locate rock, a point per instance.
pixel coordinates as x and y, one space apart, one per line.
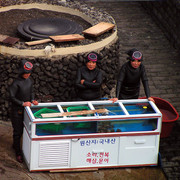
44 90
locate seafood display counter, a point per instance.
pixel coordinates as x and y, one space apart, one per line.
70 136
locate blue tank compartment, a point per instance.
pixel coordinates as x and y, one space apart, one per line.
96 127
135 125
141 108
66 128
113 109
106 126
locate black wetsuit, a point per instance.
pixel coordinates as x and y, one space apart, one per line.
89 90
128 84
20 91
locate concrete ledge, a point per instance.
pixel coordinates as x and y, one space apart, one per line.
61 51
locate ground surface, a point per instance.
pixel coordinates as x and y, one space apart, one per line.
10 169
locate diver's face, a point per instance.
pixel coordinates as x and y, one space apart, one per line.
135 64
91 65
26 75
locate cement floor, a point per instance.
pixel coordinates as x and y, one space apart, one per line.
10 169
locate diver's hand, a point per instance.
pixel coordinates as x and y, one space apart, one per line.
113 100
27 103
35 102
151 99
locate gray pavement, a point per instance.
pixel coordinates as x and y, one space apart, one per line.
135 29
162 61
10 169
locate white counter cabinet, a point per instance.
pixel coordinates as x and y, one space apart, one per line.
126 134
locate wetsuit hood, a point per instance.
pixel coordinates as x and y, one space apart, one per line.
25 67
134 54
93 56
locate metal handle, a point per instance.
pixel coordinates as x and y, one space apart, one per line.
140 141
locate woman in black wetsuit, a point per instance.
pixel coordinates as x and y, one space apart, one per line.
89 79
128 83
21 95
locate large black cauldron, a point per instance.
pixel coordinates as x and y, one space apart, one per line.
42 28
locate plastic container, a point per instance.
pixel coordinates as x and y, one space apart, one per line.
49 127
77 108
80 108
169 115
38 113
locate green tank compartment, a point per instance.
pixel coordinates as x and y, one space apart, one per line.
78 108
38 111
66 128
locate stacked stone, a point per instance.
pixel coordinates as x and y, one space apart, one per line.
54 78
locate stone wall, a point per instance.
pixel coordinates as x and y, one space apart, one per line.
167 15
54 75
54 78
